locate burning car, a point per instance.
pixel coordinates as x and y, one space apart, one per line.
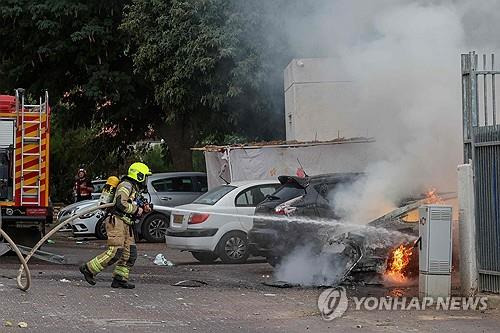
299 215
296 197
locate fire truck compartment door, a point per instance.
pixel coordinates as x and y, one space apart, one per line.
6 133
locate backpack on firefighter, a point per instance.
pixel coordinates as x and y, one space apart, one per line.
109 190
108 195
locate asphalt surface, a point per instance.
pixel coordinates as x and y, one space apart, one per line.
230 298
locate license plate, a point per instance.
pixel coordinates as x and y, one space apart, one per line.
178 218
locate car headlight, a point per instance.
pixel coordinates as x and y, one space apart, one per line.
88 215
64 215
96 213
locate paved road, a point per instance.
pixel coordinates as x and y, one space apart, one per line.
233 299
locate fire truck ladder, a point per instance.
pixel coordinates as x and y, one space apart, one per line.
28 142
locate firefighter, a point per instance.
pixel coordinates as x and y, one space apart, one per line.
83 186
119 227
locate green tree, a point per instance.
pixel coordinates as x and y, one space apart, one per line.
74 49
187 71
206 70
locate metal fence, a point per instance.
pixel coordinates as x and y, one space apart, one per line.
481 137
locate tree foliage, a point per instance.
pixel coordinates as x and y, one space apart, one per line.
74 49
187 71
210 66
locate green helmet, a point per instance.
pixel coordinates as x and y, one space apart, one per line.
138 171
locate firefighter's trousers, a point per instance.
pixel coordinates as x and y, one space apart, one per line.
121 250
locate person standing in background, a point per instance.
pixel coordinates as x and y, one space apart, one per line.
83 186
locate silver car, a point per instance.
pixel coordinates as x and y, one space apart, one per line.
164 189
98 186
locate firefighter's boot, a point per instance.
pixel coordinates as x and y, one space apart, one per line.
117 283
87 274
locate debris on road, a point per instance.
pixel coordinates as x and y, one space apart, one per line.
280 284
64 280
4 248
50 241
22 324
160 260
7 323
270 295
190 283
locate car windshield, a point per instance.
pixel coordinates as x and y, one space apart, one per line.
214 195
98 186
287 191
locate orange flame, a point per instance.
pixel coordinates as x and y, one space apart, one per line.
398 262
431 197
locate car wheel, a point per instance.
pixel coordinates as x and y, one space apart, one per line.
205 257
233 248
154 228
273 260
100 229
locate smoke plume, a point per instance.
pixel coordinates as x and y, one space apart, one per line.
334 250
403 57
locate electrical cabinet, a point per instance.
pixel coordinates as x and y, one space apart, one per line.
435 246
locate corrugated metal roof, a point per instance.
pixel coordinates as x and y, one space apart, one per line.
282 144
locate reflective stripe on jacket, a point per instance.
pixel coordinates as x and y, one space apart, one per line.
125 206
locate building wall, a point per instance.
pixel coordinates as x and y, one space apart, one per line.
318 99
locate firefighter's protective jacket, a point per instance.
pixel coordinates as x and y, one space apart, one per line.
125 206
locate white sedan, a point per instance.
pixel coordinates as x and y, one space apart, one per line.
216 224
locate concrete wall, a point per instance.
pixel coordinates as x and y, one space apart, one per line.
467 233
318 96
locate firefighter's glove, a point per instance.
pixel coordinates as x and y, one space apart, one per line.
139 212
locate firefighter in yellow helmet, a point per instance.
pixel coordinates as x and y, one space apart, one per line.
119 227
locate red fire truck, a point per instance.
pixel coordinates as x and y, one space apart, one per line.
24 166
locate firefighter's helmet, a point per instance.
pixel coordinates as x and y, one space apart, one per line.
138 171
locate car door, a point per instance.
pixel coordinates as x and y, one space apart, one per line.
174 191
200 186
248 199
324 204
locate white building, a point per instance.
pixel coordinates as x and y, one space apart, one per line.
319 134
318 97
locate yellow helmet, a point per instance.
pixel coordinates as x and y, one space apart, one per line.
138 171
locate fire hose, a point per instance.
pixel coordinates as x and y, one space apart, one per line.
24 269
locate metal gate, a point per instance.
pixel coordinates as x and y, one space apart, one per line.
481 137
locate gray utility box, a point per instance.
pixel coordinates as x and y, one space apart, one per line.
435 250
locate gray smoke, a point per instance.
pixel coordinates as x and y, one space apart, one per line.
305 267
403 57
334 251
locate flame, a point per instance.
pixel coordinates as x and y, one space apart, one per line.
398 262
431 197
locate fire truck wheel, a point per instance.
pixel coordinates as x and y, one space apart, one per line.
26 237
